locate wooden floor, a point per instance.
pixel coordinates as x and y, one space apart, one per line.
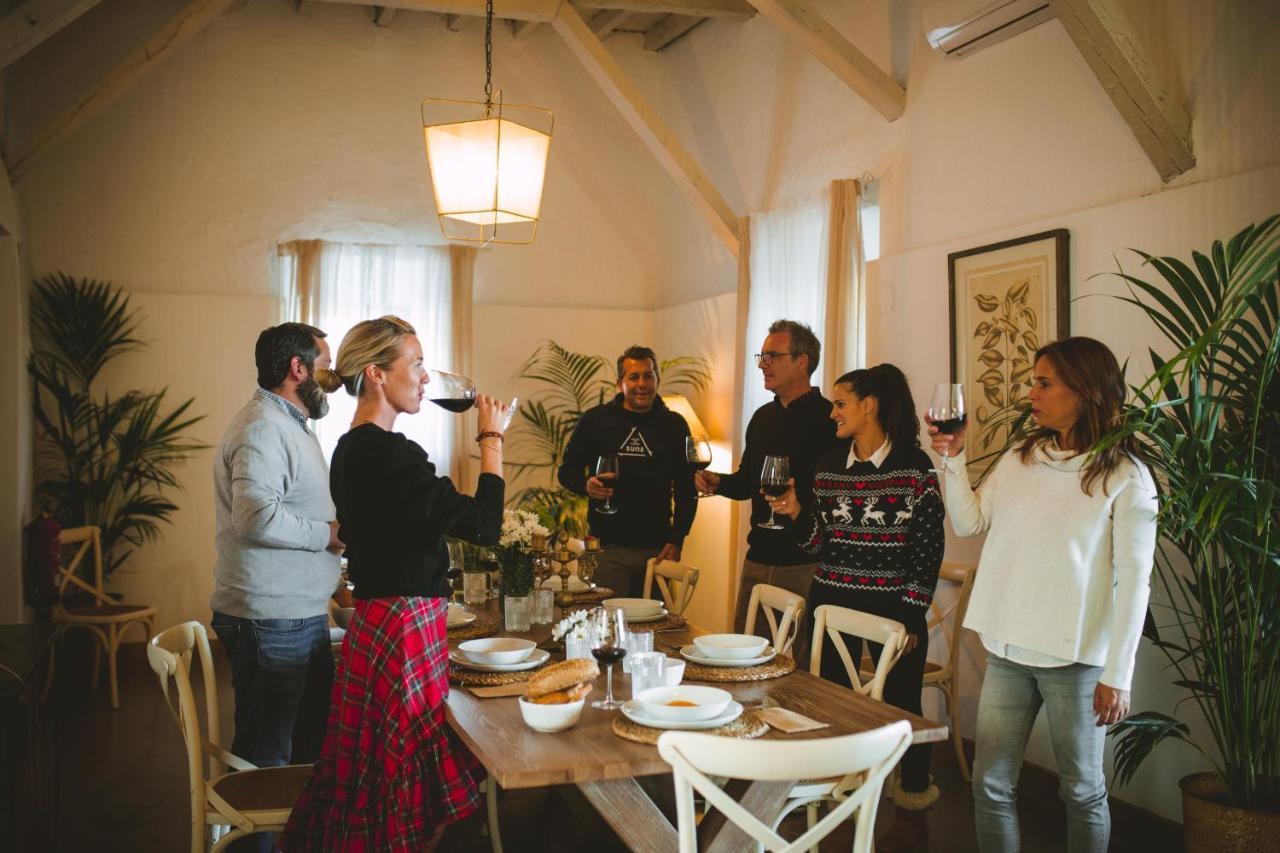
121 786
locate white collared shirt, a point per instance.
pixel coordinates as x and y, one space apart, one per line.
877 458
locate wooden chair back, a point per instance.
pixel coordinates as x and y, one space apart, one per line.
774 600
837 622
89 541
952 616
695 758
676 583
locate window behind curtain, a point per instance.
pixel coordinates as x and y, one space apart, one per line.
789 250
354 282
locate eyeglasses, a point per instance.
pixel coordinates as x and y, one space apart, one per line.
764 359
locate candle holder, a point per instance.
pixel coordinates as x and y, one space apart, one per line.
564 556
588 559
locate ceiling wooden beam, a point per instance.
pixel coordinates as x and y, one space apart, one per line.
520 29
666 31
624 95
453 23
606 20
1104 39
193 18
382 16
799 20
543 11
33 22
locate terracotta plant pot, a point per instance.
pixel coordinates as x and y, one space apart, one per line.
1211 826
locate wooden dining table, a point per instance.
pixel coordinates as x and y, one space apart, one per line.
606 769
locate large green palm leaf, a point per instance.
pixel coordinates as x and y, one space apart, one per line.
1208 422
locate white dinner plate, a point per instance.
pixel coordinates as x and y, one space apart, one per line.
535 659
633 712
693 654
639 620
458 616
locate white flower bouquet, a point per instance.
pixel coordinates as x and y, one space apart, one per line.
518 529
575 626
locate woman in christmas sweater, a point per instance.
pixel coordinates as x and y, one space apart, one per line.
876 527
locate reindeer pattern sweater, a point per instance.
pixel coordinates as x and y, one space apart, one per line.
877 531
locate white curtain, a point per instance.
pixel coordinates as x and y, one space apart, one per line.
788 280
336 285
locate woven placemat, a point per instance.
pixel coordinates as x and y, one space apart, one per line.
593 596
666 623
482 626
776 668
473 678
747 726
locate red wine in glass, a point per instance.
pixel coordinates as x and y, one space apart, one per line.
608 465
457 406
609 655
947 409
773 480
697 452
609 635
951 426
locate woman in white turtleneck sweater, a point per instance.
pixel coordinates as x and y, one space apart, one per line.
1061 590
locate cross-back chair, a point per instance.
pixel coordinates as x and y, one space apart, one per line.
106 618
676 583
783 611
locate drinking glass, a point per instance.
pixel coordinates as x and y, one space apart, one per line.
647 670
608 465
450 391
697 451
637 642
543 611
608 647
946 408
475 586
773 481
454 572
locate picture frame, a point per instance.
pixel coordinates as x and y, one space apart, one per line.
1007 300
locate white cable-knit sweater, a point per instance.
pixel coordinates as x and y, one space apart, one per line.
1062 573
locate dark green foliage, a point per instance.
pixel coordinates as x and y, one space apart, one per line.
100 460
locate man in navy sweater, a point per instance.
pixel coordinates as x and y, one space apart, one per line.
653 491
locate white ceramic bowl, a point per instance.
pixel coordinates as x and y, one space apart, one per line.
673 672
497 650
342 616
550 718
730 646
707 702
635 607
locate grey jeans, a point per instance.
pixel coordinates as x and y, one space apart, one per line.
795 579
1012 695
622 570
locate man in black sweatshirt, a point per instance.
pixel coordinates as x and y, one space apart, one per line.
653 491
797 425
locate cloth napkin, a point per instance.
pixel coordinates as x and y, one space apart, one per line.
516 689
789 721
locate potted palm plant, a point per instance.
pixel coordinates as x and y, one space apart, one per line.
1208 420
100 459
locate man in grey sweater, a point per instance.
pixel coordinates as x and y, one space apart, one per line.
278 547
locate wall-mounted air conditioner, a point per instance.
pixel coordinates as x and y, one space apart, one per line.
960 27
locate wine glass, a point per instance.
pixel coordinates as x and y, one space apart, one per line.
454 572
946 408
697 451
608 465
450 390
489 562
773 480
608 646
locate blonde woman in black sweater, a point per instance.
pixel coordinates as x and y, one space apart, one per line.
875 524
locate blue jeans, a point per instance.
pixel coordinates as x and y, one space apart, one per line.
1012 695
282 674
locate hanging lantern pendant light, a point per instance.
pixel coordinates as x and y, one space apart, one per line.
487 161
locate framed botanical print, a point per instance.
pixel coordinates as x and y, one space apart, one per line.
1007 300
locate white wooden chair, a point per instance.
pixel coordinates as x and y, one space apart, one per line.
837 623
946 676
224 806
868 756
774 600
105 617
676 583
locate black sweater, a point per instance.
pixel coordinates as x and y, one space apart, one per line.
394 513
653 473
801 431
878 533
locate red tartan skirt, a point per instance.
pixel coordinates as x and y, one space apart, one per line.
391 771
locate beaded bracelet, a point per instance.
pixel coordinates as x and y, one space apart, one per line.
488 434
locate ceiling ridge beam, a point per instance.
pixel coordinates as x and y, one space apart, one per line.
31 23
644 120
799 20
668 30
606 21
193 18
1161 126
543 11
